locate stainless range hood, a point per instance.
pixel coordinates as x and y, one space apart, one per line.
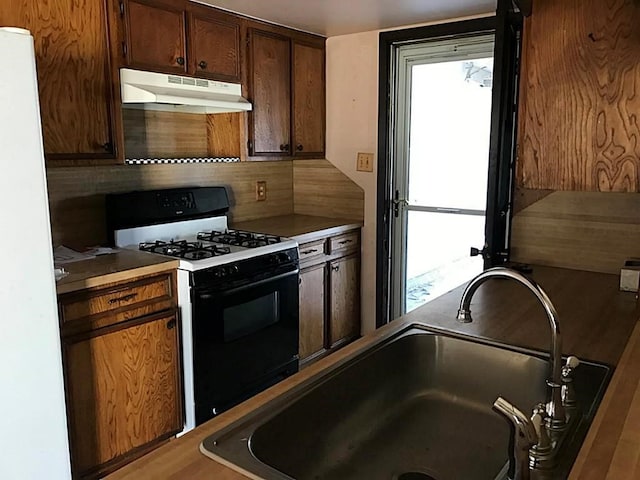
174 93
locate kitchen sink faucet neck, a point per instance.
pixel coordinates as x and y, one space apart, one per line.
556 414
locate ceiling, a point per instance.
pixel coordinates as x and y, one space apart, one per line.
339 17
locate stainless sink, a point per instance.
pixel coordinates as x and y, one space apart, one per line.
417 405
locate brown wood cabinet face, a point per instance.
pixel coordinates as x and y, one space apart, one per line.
123 390
270 91
214 46
308 100
344 284
580 97
312 311
72 57
156 36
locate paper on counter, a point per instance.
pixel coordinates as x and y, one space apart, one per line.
63 255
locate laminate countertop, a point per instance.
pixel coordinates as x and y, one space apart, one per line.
302 228
116 267
597 323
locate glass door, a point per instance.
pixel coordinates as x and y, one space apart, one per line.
441 150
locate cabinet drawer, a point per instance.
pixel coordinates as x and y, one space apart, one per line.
312 251
348 241
130 297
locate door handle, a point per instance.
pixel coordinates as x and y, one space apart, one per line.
397 203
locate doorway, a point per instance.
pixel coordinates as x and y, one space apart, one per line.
440 140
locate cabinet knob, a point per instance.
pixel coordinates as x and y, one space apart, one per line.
335 268
107 146
171 324
284 147
203 65
299 147
180 60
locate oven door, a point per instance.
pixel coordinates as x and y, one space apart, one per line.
245 339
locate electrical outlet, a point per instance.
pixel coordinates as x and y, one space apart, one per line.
261 191
365 162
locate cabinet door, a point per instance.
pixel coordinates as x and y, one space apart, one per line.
312 311
270 91
308 100
344 293
123 392
214 45
156 36
74 74
578 106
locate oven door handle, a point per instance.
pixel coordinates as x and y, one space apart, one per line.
207 294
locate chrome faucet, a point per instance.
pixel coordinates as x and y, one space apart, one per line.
556 417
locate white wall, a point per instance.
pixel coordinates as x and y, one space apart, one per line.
352 127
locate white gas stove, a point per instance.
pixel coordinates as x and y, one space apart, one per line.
237 292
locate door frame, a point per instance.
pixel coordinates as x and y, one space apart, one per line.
502 143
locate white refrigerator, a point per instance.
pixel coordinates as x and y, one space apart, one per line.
33 429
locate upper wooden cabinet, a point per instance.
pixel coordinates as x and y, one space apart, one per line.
287 89
176 37
579 97
308 100
74 75
214 47
155 35
270 86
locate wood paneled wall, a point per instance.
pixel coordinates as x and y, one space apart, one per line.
320 189
580 96
580 230
76 195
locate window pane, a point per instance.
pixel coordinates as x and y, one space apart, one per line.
438 254
449 139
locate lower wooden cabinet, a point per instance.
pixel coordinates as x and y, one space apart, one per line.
312 311
122 380
344 314
329 294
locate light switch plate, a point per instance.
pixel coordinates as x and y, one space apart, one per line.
365 162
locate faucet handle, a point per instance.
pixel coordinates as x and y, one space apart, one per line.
523 436
570 365
543 446
568 390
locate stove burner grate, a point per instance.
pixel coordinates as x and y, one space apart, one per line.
184 249
240 238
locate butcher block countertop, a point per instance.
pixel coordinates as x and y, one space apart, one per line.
302 228
597 322
104 269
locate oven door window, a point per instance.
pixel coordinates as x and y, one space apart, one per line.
251 316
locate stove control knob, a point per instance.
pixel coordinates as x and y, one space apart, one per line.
234 269
283 258
220 272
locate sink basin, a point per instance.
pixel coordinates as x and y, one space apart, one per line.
416 405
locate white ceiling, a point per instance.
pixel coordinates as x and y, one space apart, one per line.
339 17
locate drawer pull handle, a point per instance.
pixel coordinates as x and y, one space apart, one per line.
344 242
171 324
307 252
124 298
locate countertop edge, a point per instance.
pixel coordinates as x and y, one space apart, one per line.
302 228
114 277
326 232
607 449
